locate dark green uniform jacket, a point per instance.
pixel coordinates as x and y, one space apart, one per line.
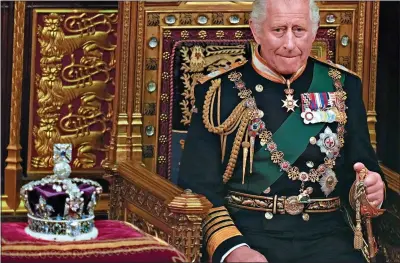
201 167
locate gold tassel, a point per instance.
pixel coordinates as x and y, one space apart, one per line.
358 238
245 146
252 142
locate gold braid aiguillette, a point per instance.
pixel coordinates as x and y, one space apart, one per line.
239 118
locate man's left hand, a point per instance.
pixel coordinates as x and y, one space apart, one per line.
375 187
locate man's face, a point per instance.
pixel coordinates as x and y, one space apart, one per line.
286 35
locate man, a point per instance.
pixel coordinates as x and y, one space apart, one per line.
275 145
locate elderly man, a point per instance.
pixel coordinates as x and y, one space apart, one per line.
275 145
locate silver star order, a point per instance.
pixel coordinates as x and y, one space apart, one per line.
328 182
328 142
289 103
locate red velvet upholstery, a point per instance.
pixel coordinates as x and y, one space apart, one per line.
117 242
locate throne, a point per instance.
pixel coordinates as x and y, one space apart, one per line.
163 49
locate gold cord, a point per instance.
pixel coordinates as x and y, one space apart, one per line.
235 149
239 117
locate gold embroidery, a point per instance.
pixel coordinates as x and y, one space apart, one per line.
222 225
219 208
216 222
58 254
220 236
224 213
82 246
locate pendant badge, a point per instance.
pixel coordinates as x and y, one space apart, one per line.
290 104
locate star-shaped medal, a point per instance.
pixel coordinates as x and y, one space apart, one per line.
289 103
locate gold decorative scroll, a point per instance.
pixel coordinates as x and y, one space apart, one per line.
195 60
72 86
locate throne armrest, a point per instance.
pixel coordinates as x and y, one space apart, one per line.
157 206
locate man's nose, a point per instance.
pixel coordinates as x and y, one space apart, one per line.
289 40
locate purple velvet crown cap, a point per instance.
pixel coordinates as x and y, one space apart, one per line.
61 199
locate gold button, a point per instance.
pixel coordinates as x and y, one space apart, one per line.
313 140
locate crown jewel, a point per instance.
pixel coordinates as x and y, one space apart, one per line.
60 208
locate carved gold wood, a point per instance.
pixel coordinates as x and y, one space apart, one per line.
13 170
72 86
170 213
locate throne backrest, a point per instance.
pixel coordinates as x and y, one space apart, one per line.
191 60
196 39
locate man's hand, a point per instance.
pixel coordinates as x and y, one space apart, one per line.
245 254
374 185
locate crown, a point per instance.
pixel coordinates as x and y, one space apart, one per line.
61 208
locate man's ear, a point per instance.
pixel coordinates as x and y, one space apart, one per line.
254 30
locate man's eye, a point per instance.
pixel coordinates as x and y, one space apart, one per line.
278 30
299 29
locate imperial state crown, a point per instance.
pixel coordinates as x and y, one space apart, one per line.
61 208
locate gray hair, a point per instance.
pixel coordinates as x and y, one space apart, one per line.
259 14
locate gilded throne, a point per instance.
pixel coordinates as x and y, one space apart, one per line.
169 48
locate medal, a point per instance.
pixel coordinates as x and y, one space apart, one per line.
308 116
290 104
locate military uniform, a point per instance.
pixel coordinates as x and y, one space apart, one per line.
230 158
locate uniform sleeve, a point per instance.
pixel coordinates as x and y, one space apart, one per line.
358 146
201 171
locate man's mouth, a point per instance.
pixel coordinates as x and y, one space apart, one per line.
287 56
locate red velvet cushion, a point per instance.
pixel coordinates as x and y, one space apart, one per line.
117 242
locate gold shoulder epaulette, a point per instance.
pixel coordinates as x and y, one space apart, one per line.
338 66
221 71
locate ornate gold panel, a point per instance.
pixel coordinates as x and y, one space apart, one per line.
72 87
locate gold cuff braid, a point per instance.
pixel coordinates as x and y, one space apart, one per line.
218 227
219 237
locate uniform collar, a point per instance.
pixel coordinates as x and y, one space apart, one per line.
260 66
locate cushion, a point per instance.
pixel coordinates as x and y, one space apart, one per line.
117 242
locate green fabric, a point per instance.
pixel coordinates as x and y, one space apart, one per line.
293 136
